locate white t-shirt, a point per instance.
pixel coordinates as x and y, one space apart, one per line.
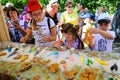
43 30
103 44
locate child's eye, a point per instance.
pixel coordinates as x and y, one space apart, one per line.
67 37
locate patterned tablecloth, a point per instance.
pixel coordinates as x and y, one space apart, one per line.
50 64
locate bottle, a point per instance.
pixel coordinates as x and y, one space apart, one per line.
9 48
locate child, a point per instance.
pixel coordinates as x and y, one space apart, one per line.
17 28
103 38
41 27
86 27
72 39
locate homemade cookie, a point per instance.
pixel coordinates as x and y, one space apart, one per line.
3 53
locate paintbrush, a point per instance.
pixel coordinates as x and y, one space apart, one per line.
37 52
13 52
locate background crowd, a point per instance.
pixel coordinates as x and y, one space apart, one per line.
46 26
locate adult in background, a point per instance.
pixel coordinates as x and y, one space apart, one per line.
69 16
43 33
52 10
5 14
16 26
97 13
9 4
5 11
116 22
87 12
81 11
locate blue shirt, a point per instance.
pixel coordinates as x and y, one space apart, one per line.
15 35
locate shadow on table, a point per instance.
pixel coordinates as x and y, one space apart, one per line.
5 77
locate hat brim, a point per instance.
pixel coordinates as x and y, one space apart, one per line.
34 9
103 21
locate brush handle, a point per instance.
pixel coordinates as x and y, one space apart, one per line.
13 53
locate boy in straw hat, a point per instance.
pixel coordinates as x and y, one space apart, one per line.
43 32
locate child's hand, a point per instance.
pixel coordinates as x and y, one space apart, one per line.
54 44
69 47
23 39
59 24
57 44
16 25
46 39
90 40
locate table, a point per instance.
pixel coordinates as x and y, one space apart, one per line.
50 64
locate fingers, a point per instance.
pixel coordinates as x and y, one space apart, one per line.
90 40
45 38
22 40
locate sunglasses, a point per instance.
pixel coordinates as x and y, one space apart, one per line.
38 14
103 24
70 6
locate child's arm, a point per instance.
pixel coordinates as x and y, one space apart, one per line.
28 36
57 44
52 37
105 34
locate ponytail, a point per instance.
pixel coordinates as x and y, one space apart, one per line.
80 45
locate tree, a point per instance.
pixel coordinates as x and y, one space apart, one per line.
17 3
109 5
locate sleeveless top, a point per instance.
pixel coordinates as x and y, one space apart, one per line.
53 18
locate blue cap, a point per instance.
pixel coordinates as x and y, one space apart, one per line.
87 16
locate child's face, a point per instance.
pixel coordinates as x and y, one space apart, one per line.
69 36
13 15
87 20
104 26
37 15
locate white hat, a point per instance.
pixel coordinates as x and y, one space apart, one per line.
53 1
104 16
9 4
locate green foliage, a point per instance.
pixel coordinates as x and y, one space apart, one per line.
17 3
109 5
44 2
